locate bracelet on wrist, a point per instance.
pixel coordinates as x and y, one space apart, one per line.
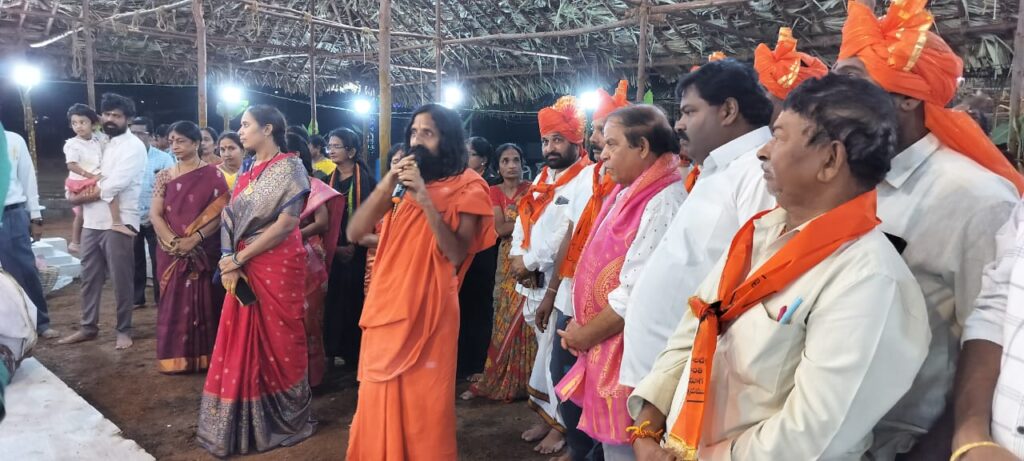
642 432
552 290
234 259
960 452
202 237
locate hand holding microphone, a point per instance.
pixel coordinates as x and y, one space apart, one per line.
408 175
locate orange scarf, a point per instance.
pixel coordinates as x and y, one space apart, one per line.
602 186
691 178
904 57
532 205
817 241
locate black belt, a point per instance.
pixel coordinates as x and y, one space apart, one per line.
14 207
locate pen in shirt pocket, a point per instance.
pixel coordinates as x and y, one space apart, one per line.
786 313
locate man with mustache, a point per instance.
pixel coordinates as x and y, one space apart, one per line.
410 320
105 249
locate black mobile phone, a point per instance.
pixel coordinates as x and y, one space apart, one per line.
539 276
244 293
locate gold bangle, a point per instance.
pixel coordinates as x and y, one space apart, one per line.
552 290
970 446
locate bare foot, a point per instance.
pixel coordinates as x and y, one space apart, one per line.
126 230
468 395
475 377
123 342
49 333
563 457
78 337
553 443
536 432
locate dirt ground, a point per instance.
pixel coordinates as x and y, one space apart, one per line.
160 411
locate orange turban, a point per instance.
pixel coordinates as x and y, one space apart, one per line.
783 69
612 103
904 57
563 118
716 56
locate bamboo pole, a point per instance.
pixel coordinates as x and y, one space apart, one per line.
438 48
90 70
313 125
384 64
641 63
30 124
197 14
1016 80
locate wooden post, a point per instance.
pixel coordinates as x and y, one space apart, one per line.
90 71
641 63
30 124
437 50
314 127
1016 80
197 15
384 63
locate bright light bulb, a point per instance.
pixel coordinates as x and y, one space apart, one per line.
231 94
589 100
26 76
362 106
453 97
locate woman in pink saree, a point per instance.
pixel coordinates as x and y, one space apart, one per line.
187 202
648 187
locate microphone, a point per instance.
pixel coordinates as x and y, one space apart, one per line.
396 196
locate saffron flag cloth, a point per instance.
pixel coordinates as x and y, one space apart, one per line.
738 292
784 68
903 56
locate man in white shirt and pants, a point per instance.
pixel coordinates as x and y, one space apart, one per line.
105 250
724 115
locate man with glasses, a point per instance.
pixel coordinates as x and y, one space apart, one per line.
156 160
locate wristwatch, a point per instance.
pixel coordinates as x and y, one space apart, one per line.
37 221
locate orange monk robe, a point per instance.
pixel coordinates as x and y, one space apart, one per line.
903 56
784 68
406 406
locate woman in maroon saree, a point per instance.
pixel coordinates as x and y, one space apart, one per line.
187 202
257 395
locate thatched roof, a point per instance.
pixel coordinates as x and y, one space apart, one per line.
159 47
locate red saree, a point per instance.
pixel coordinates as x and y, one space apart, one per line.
189 309
257 394
318 259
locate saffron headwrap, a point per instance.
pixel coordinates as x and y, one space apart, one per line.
904 57
610 103
563 118
716 56
784 68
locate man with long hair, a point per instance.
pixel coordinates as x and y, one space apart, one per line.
406 406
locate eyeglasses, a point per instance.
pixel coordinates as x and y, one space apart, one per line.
335 146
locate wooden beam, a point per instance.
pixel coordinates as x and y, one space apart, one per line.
548 34
438 49
644 11
53 11
113 18
677 8
314 129
90 49
197 15
296 15
384 96
1016 80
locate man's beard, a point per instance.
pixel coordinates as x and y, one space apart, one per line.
112 130
430 165
564 160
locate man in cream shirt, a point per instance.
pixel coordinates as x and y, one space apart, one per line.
724 116
823 351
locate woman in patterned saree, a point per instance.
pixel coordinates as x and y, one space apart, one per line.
257 395
513 347
187 202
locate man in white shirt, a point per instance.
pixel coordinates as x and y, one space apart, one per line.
546 216
22 224
104 250
947 193
724 113
811 327
990 375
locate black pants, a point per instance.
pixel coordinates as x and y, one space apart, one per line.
476 312
581 446
343 306
146 239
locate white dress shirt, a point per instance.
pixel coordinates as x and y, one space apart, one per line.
23 188
947 208
124 160
729 191
998 317
812 388
547 235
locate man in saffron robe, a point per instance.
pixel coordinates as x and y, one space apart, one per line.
756 369
410 322
640 156
946 167
784 68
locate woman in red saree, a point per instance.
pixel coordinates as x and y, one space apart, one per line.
187 202
513 346
257 394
